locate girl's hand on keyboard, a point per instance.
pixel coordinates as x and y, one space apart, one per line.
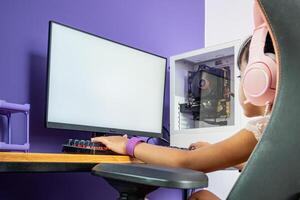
199 144
114 143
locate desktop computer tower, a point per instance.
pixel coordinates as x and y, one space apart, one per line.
204 94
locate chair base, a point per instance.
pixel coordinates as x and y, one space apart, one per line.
130 191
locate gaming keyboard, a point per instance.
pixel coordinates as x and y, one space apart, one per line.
75 146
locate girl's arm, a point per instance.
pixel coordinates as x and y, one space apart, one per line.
201 144
145 152
226 153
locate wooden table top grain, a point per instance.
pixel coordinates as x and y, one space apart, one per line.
11 162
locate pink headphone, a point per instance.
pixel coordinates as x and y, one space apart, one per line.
260 76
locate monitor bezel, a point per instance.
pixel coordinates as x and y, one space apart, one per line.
96 129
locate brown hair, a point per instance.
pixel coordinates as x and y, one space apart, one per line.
243 55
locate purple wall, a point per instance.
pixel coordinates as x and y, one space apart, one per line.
164 27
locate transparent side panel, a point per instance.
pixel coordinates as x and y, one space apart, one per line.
204 90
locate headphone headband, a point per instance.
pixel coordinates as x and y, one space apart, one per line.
257 14
259 79
258 42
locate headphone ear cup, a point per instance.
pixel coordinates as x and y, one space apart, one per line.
259 80
256 81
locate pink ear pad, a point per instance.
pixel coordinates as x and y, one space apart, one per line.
256 84
256 80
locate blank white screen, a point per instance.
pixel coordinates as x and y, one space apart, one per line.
99 83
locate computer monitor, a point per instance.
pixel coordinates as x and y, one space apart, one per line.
99 85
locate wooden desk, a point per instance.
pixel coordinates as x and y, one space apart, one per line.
11 162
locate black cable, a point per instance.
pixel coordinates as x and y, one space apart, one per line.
162 139
148 139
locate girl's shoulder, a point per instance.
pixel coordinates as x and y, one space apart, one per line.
257 126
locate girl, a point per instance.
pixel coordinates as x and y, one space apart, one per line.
206 157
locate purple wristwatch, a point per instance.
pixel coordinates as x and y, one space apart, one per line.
132 142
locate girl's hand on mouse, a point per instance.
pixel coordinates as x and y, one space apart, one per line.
114 143
199 144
